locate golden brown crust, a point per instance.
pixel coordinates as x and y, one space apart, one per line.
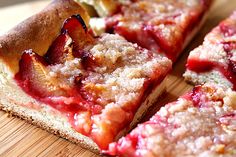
38 31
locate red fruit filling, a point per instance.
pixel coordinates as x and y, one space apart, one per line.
201 66
60 50
199 96
35 77
77 30
138 23
227 30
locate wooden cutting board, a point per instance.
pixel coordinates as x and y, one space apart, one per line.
18 138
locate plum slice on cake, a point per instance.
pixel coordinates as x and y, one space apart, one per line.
160 25
215 60
200 123
90 90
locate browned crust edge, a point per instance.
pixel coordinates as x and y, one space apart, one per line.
38 31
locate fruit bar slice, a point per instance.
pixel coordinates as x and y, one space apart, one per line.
88 90
158 25
200 123
214 60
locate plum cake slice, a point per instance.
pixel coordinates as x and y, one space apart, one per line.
201 123
215 60
165 26
90 90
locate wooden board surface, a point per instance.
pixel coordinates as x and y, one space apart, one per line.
18 138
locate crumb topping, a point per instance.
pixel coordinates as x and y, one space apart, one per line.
217 53
103 87
120 72
213 47
213 53
183 129
164 24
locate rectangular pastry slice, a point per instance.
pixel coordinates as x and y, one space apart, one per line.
90 90
215 60
160 25
201 123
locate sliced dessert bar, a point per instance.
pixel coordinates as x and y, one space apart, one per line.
86 89
201 123
215 60
164 26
